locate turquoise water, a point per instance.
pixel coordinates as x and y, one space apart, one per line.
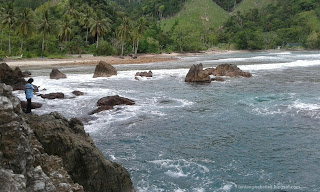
244 134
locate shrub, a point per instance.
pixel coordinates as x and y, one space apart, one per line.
104 48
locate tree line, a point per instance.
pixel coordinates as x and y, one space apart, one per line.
68 27
105 27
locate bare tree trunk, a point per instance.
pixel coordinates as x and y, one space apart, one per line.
21 45
97 41
1 38
137 47
9 40
87 35
42 45
122 47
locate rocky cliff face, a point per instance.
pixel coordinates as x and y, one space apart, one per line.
50 153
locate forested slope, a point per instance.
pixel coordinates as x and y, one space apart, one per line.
54 28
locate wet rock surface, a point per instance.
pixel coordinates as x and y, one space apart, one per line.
107 103
144 74
77 93
58 95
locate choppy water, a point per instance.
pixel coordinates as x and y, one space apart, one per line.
256 134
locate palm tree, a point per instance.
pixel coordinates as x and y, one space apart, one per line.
99 26
85 19
9 18
66 29
123 32
45 26
25 24
71 9
139 29
1 27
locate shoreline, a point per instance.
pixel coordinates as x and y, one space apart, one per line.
86 60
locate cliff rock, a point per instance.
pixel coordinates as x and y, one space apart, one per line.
24 165
50 153
82 160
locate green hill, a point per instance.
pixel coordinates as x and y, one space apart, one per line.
201 14
246 5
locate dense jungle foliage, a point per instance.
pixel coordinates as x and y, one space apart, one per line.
53 28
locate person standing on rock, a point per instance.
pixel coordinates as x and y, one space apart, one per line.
28 89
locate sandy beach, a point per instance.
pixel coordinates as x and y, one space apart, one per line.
85 60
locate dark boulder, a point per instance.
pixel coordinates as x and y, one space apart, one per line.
52 96
34 105
77 93
197 74
230 70
101 108
114 100
11 77
56 74
104 69
144 74
107 103
14 78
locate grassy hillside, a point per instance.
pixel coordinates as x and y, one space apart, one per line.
246 5
201 14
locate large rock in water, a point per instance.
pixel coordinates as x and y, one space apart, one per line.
24 164
229 70
58 95
144 74
56 74
107 103
197 74
104 69
50 153
14 78
83 161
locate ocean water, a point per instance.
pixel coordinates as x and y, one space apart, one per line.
244 134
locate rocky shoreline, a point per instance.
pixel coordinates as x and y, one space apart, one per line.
50 153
